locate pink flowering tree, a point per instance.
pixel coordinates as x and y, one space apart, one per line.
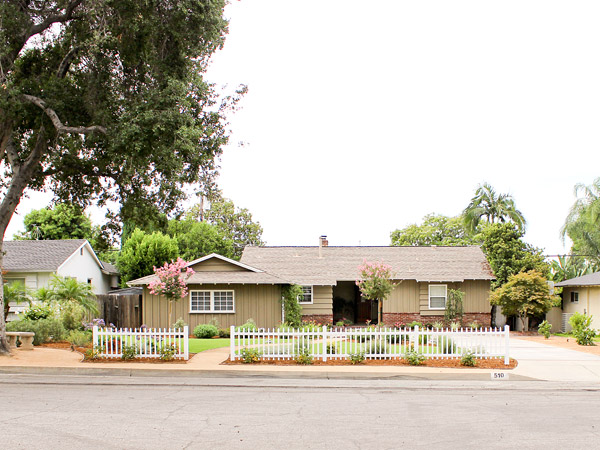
171 281
375 283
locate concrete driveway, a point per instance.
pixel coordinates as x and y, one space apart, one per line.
547 362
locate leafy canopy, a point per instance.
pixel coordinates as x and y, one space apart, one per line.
524 295
436 229
493 206
197 239
375 283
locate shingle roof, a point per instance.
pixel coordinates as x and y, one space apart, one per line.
110 269
303 265
592 279
220 278
38 256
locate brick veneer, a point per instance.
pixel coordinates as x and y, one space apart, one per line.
318 318
391 319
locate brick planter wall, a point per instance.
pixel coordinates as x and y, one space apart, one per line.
390 319
318 318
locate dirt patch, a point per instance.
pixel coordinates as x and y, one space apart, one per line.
562 342
82 350
66 346
452 363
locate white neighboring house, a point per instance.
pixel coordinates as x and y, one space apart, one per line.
33 263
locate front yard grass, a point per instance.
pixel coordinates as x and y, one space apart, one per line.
200 345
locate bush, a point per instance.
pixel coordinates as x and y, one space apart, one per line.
475 325
93 353
331 349
167 352
129 352
356 358
414 324
437 325
585 336
179 323
582 331
79 338
249 325
224 332
38 312
303 356
414 358
375 348
339 323
206 331
468 359
544 329
72 316
45 330
446 345
250 355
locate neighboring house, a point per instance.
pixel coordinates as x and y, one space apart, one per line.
581 294
33 263
231 292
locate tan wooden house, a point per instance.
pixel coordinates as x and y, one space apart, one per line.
232 292
581 294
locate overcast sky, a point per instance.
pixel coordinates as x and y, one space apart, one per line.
362 117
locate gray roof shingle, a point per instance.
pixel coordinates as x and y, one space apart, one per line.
592 279
38 256
220 278
303 265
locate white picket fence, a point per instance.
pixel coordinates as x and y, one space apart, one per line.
148 342
379 343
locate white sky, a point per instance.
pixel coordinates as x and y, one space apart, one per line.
362 117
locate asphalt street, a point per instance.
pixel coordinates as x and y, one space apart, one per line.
246 413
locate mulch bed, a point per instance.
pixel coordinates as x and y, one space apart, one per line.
452 363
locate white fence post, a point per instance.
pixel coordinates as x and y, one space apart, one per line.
507 345
324 349
186 342
95 337
232 343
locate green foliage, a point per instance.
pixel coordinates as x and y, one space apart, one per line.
525 294
248 325
414 324
414 358
303 356
72 316
454 306
494 207
37 312
250 355
468 359
585 336
376 348
446 345
567 267
292 310
508 254
129 352
581 324
582 225
224 333
14 292
67 291
375 283
198 239
435 230
79 338
475 325
234 223
206 331
168 352
179 323
46 330
356 358
331 349
93 353
142 252
62 221
544 329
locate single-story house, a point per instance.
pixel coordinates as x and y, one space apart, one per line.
580 294
231 292
33 263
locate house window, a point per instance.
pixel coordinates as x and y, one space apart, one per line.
437 296
574 297
212 302
307 295
20 281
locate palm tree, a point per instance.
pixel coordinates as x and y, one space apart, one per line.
69 290
494 207
583 222
14 293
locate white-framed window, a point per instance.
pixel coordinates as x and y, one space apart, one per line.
574 297
438 293
307 295
212 302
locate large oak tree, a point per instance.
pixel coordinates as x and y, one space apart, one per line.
105 101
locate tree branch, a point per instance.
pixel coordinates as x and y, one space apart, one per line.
47 23
62 129
66 62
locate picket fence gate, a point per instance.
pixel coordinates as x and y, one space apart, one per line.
148 342
380 343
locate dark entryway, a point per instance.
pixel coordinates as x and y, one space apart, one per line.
348 304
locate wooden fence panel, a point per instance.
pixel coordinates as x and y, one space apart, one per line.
124 311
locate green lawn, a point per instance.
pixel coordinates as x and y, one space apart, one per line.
570 335
200 345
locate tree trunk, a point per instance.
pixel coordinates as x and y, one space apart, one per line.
379 311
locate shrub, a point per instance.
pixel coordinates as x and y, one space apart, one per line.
129 352
414 324
205 331
446 345
93 353
292 309
475 325
339 323
250 355
331 349
249 325
375 348
454 326
303 356
356 358
45 330
468 359
438 324
179 323
582 331
38 312
224 332
414 358
79 338
454 306
72 316
585 336
544 329
167 352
